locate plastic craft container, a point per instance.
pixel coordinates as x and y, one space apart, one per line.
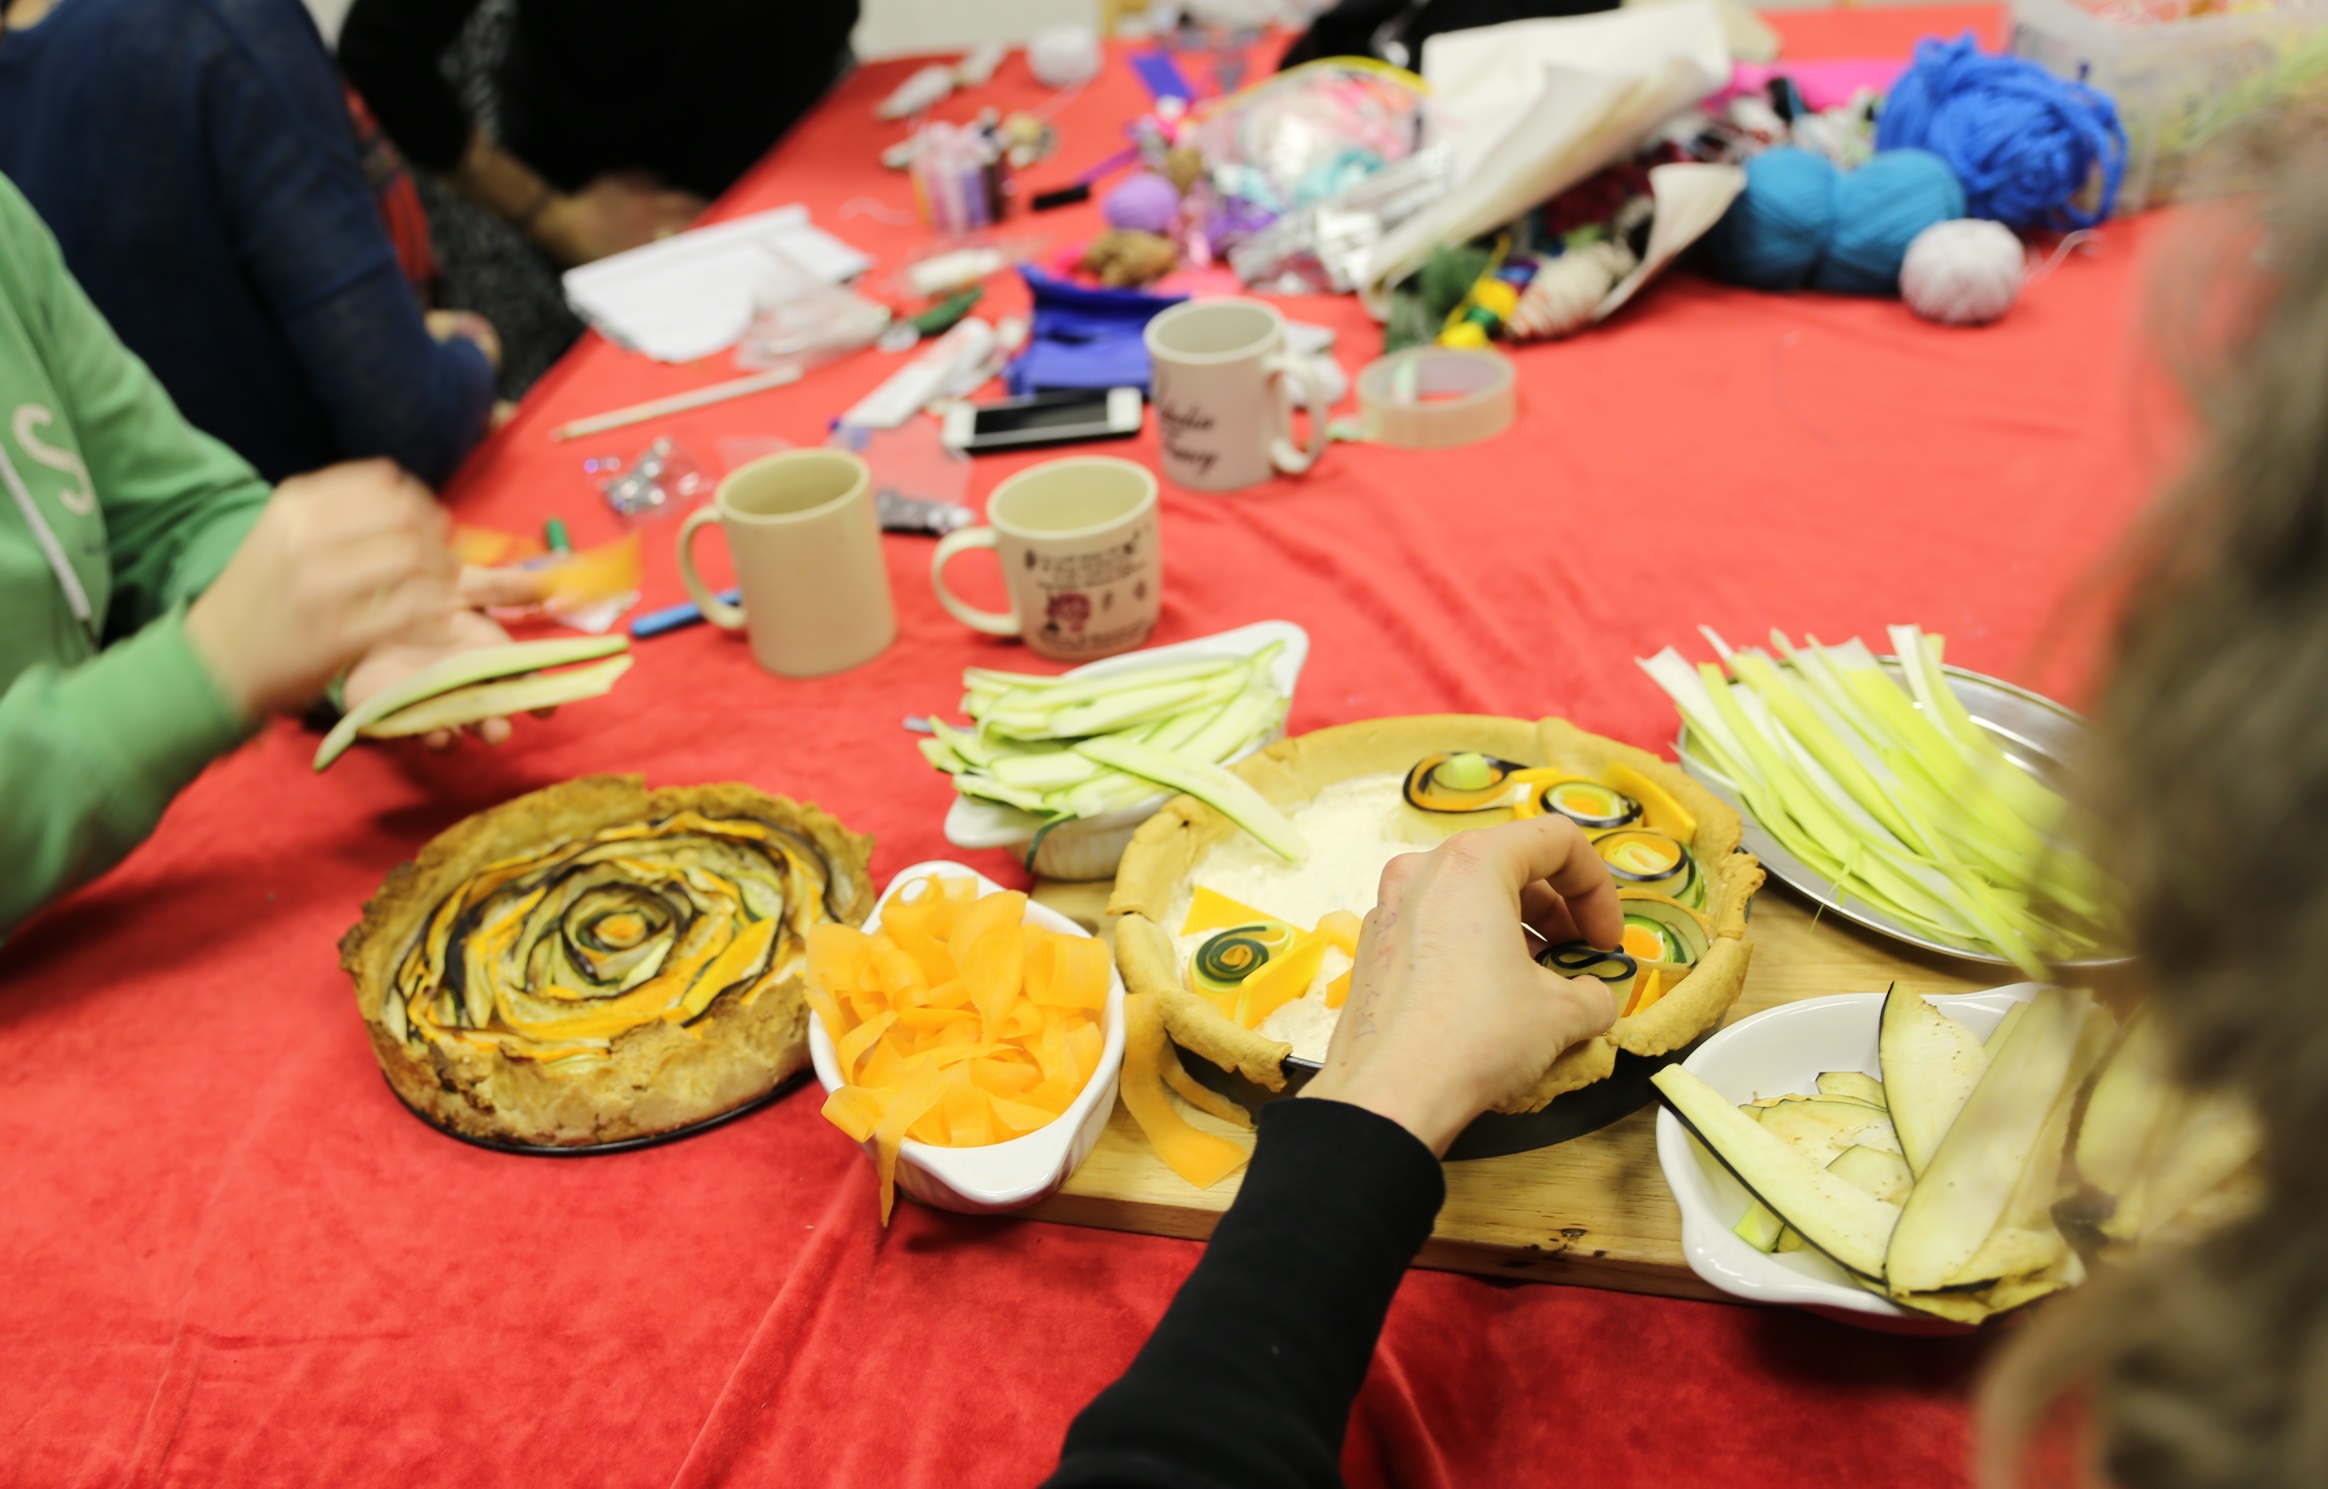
1009 1175
2180 83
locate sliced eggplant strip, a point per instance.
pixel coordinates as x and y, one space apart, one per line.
1849 1225
1853 1085
498 700
2204 1142
1822 1130
2132 1099
1998 1035
1879 1171
2026 1239
1930 1065
1965 1188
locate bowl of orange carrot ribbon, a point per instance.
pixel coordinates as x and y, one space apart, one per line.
967 1038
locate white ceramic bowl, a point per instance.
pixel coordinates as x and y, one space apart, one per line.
1091 848
1775 1052
1015 1174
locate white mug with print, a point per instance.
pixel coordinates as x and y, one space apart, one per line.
1082 558
1225 388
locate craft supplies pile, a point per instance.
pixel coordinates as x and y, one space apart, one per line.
1466 204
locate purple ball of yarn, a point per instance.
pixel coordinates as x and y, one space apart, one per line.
1144 203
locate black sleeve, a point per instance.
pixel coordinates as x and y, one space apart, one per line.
1249 1378
390 49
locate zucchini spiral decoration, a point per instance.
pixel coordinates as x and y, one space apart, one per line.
554 955
1228 957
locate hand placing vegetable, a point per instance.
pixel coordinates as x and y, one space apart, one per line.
340 561
1449 1013
400 656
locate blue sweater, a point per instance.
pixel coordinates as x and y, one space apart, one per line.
196 162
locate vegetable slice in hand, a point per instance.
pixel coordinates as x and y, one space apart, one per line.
459 671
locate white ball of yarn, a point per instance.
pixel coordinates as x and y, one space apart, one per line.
1962 273
1064 56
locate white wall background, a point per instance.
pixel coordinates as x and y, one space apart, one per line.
890 27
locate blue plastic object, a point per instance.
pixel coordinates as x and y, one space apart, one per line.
1082 337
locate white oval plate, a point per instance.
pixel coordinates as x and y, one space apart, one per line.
1776 1052
1015 1174
986 824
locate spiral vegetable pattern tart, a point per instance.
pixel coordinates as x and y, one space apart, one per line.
597 962
1248 956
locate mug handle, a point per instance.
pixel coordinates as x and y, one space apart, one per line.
962 540
716 610
1291 373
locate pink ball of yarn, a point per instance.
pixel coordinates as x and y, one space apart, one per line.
1144 203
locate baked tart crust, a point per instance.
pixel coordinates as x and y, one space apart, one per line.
652 904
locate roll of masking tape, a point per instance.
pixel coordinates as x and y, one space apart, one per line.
1436 397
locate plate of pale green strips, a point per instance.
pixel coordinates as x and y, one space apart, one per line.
2027 731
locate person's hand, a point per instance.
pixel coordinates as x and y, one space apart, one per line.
504 589
1448 1012
401 655
339 561
469 326
611 214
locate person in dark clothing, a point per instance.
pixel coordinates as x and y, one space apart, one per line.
617 122
196 161
1249 1379
1395 30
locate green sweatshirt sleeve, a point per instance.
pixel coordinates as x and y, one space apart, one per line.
93 754
105 472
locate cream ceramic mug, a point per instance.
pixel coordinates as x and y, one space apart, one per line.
1224 389
1082 559
807 548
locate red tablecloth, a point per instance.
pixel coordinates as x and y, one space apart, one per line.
234 1259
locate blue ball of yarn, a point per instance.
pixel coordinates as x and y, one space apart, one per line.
1879 209
2023 142
1775 232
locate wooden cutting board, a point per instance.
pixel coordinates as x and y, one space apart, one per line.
1593 1211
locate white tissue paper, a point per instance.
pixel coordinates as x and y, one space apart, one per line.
1530 108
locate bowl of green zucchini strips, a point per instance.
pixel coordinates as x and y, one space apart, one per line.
1912 797
1063 770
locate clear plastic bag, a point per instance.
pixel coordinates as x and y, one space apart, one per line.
1309 135
801 320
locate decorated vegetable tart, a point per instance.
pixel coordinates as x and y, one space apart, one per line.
1249 954
599 962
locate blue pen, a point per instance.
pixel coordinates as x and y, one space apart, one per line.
676 617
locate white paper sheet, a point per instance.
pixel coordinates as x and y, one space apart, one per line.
692 294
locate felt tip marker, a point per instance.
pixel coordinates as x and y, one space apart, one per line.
676 617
